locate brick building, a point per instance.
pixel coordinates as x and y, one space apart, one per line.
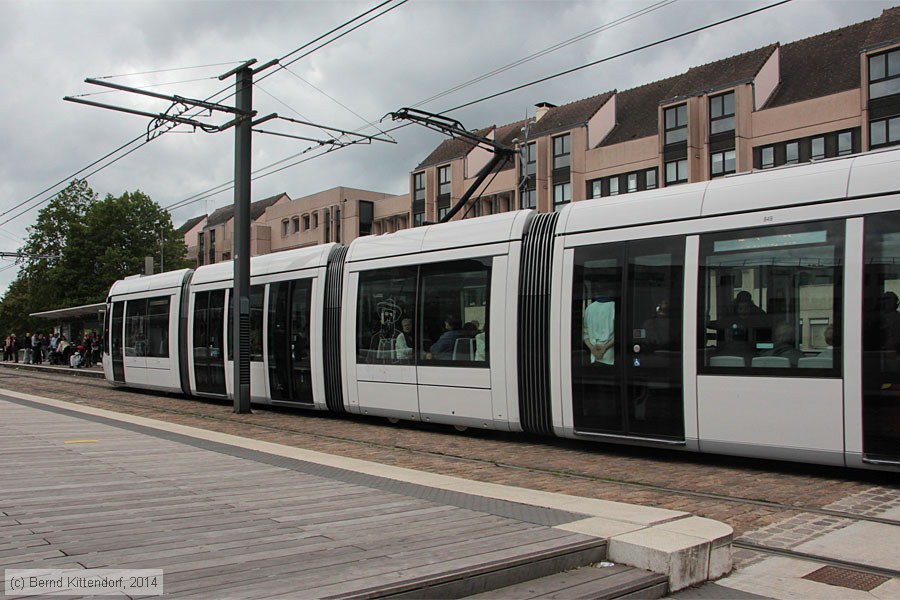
828 95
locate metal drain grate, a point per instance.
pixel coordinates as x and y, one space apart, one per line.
854 580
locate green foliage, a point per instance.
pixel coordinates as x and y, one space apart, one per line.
80 245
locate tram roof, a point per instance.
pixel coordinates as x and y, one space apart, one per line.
490 229
827 180
277 262
143 283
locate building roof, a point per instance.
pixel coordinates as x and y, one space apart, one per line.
257 209
451 149
569 116
817 66
885 29
640 105
190 224
721 73
820 65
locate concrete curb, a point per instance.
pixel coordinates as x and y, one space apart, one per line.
686 549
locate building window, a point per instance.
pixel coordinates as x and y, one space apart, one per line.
562 195
817 148
529 198
595 188
676 171
529 159
315 220
792 153
676 124
200 249
614 186
721 113
884 74
442 212
444 181
767 157
722 163
562 151
212 246
845 143
305 222
650 178
418 219
295 224
285 227
419 186
632 182
884 132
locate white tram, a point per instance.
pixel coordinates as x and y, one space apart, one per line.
754 315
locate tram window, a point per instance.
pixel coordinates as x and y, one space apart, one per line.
881 336
758 287
147 327
136 328
158 327
385 316
257 295
455 306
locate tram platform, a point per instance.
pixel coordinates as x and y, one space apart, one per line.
95 371
224 515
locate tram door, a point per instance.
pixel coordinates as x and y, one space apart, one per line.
881 339
626 337
116 345
209 330
290 374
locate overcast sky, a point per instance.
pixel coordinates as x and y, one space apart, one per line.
416 51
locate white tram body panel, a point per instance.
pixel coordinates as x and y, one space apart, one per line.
274 371
458 390
149 355
744 407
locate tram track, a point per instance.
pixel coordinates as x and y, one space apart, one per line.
188 412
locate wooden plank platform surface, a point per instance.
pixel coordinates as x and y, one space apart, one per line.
77 493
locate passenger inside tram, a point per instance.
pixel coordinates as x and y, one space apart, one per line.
598 331
784 344
739 333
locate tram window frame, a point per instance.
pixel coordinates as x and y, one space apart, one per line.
147 327
474 304
385 293
754 332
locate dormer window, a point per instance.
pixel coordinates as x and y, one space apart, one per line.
721 113
676 124
884 74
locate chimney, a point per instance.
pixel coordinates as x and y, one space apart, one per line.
542 109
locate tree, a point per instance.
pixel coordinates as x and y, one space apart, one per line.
119 232
79 246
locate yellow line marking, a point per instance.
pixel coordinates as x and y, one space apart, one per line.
80 442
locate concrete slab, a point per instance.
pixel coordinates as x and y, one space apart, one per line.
782 578
866 542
